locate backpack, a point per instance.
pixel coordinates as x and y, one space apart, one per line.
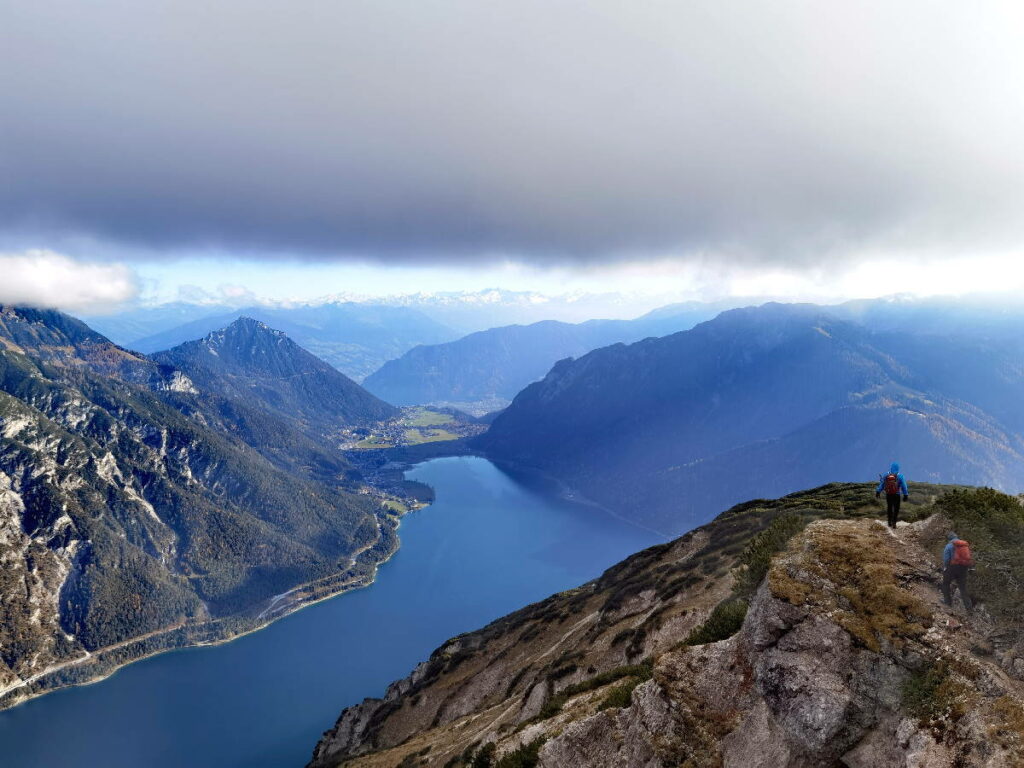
892 485
961 553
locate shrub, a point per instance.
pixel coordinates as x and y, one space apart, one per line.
724 622
484 758
642 671
527 756
619 697
757 554
936 697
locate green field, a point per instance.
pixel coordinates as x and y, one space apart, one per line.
417 436
373 442
423 417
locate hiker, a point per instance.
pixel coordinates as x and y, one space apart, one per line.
956 562
895 487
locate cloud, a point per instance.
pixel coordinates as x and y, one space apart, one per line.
553 132
225 294
46 279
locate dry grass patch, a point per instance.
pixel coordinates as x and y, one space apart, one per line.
849 569
1008 732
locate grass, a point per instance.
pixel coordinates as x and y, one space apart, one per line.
373 442
1009 729
419 436
756 556
423 417
755 559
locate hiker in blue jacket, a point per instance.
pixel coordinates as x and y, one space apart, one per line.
895 487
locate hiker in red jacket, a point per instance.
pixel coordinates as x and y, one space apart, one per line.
895 487
957 561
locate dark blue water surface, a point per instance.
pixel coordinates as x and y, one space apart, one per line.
487 546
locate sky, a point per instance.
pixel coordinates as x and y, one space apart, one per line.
699 150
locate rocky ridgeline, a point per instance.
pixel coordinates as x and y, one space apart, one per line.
845 656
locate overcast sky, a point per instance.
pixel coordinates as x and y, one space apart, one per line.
560 141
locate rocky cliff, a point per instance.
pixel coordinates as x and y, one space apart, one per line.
785 634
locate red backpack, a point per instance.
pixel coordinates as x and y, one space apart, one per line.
961 553
892 485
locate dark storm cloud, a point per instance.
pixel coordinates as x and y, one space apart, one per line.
537 130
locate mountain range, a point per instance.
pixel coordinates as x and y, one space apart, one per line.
463 311
761 401
142 508
355 338
487 369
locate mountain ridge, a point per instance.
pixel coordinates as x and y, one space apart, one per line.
786 633
354 338
619 423
494 365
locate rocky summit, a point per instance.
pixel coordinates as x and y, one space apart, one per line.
790 633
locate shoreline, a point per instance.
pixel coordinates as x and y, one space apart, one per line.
11 697
565 492
95 668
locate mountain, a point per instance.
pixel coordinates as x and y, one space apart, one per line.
140 512
126 327
759 401
471 311
489 367
252 363
786 633
354 338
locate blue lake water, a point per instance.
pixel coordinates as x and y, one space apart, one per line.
487 546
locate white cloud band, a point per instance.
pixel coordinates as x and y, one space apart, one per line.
41 278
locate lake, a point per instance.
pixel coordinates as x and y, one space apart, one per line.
487 546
